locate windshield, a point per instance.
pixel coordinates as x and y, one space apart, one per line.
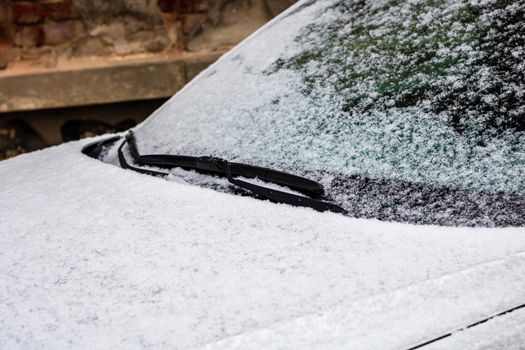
404 110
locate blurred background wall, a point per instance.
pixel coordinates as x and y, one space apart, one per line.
76 68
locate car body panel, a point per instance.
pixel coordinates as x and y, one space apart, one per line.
94 256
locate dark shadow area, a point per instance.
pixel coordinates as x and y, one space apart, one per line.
22 132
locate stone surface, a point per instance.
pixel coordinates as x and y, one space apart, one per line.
80 28
99 82
194 23
196 63
26 12
91 46
34 53
99 12
29 36
56 33
140 27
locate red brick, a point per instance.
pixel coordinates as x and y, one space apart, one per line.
4 14
29 36
58 9
5 35
171 18
166 5
191 6
26 12
56 33
278 6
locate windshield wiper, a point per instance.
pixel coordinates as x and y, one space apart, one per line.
230 170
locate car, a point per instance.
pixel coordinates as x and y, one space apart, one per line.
349 176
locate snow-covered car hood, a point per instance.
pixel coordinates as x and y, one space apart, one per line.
94 256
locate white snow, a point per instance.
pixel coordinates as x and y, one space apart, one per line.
94 256
264 103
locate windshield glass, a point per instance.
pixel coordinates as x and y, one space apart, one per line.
404 110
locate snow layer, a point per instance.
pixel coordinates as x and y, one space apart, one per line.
415 96
94 256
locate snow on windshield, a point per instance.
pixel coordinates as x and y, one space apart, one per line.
416 92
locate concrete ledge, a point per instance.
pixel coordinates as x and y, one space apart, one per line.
79 83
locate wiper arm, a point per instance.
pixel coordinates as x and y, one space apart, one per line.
222 167
94 149
218 166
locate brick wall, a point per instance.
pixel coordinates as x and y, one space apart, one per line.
54 30
29 29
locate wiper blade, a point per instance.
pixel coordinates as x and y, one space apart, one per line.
230 170
215 165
